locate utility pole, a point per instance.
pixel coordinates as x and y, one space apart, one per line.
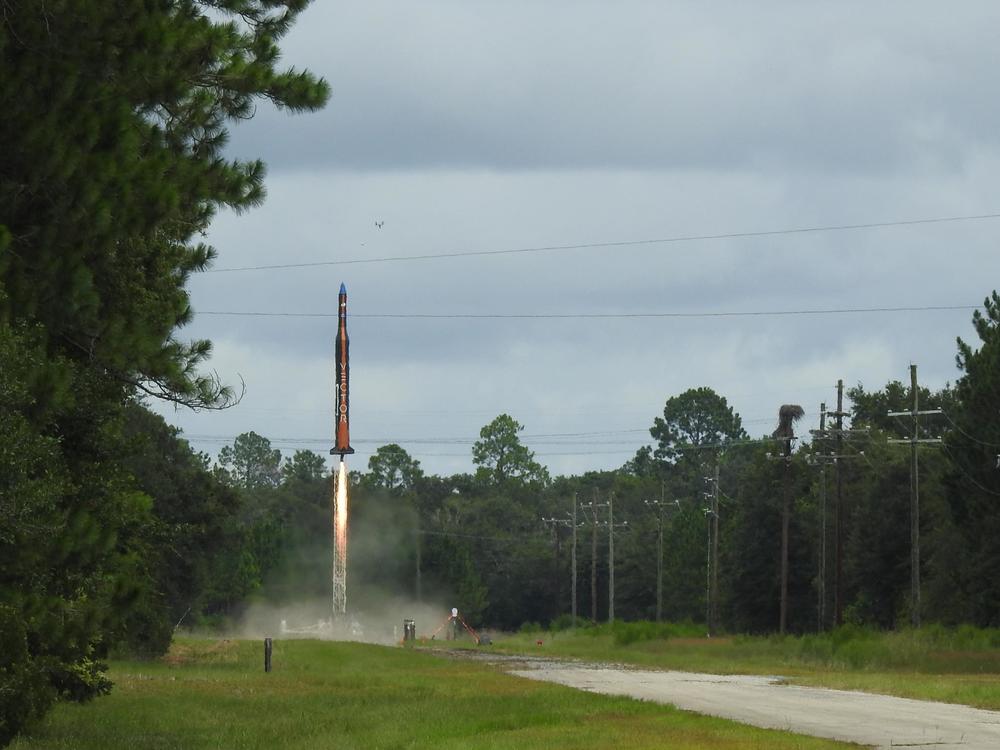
659 505
593 566
714 611
572 523
914 442
786 513
592 507
573 560
823 435
712 552
838 513
611 555
821 609
554 524
914 507
786 516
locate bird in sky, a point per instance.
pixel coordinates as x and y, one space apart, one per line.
379 224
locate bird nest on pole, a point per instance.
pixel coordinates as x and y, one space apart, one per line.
788 415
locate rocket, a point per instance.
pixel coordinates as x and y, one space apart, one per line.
342 412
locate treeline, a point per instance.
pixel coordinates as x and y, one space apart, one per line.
498 543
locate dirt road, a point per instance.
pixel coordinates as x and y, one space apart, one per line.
876 720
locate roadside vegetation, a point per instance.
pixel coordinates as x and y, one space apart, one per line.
211 694
954 665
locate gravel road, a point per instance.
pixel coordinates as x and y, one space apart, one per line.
868 719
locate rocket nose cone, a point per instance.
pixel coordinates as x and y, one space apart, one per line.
343 289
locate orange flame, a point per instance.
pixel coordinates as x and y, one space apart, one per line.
340 518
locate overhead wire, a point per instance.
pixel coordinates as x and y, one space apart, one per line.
957 463
616 243
197 437
628 447
594 316
966 434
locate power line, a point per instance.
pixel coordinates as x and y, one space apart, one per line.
593 316
620 243
423 454
970 437
198 437
435 440
959 465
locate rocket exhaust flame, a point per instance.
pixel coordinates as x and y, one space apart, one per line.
340 501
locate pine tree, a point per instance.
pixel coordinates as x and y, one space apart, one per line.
112 166
974 486
114 124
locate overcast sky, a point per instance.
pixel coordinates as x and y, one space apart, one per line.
487 126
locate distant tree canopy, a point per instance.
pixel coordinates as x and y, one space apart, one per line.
250 462
393 469
304 466
697 417
871 408
500 456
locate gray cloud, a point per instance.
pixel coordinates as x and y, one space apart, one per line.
481 126
850 87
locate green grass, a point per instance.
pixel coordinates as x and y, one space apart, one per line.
952 665
214 694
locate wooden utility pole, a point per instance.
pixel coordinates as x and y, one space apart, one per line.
594 523
786 515
838 513
573 560
572 523
914 507
823 436
611 557
660 505
788 415
712 552
821 609
659 557
554 524
593 563
714 590
914 442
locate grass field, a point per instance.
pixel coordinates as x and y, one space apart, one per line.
214 694
954 666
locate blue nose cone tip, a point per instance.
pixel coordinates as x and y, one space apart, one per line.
343 289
